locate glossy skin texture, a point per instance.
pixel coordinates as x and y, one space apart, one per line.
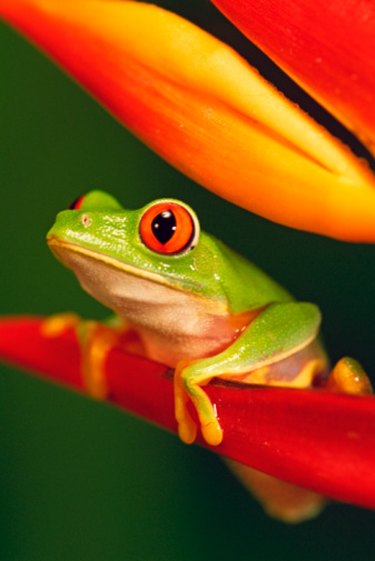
211 270
195 304
199 307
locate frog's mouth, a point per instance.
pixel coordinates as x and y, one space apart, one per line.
65 251
107 279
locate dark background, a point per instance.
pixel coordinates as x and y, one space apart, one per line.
80 480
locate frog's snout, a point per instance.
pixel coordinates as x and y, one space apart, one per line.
64 223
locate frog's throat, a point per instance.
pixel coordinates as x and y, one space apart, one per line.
62 249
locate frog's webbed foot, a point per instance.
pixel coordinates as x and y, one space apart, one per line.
187 387
95 339
348 376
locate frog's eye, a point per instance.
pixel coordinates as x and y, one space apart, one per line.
77 203
169 228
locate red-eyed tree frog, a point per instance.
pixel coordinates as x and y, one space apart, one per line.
195 304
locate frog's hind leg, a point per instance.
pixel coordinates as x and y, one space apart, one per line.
286 501
348 376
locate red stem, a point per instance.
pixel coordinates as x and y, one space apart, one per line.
320 440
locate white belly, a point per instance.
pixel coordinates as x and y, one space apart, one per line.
173 324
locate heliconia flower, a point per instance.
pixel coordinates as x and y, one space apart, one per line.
328 47
320 440
204 109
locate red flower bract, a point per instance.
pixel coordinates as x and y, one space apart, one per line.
316 439
328 47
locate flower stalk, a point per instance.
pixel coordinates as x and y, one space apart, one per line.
317 439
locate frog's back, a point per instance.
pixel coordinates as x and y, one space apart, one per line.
247 287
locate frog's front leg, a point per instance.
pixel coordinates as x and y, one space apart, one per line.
277 332
95 340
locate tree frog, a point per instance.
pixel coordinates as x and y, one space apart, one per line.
195 304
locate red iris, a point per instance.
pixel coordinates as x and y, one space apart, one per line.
168 228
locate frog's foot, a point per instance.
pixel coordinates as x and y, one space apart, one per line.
280 499
348 376
96 342
95 339
187 383
55 325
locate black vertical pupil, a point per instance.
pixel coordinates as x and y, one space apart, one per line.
164 226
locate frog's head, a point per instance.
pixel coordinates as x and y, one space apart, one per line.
117 252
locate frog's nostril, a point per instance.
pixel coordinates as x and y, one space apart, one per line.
86 220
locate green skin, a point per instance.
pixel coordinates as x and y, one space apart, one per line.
209 285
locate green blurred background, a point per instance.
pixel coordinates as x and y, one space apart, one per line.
80 480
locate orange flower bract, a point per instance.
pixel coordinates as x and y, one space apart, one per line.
204 109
